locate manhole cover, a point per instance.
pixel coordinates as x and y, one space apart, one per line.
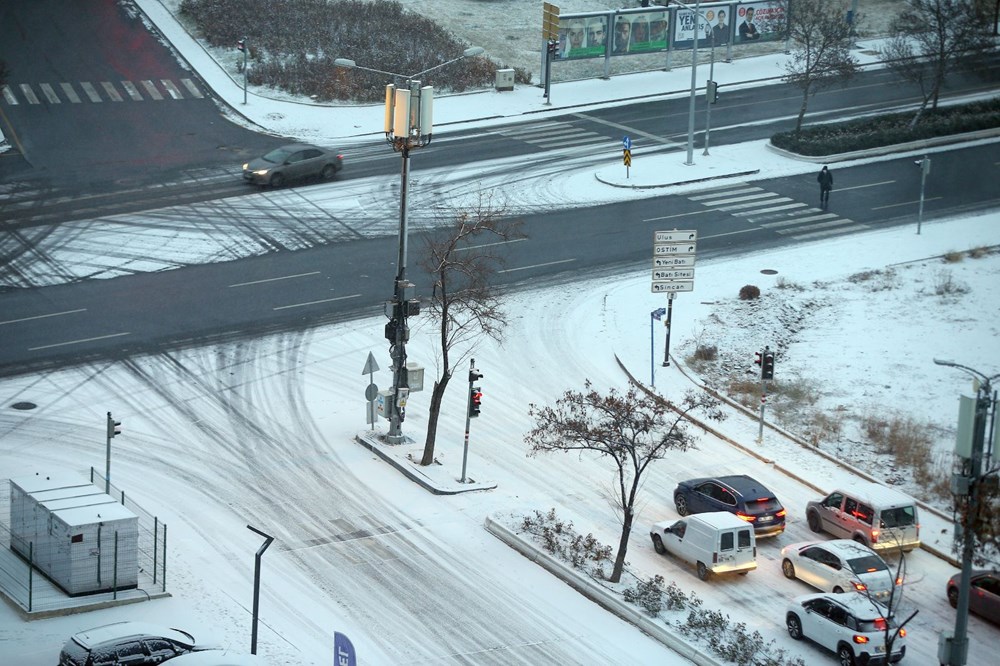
769 271
24 405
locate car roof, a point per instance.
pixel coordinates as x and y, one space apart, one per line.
299 146
719 519
119 630
859 605
845 548
876 494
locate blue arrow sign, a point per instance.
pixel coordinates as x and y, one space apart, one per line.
656 314
626 143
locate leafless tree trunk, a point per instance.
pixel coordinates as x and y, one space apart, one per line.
464 257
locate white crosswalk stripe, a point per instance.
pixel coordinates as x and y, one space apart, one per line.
768 210
555 135
97 92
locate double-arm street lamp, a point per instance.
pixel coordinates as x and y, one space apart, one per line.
408 125
694 78
972 450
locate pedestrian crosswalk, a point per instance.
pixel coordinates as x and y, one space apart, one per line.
97 92
782 215
553 135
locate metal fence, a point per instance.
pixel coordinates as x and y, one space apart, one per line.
119 559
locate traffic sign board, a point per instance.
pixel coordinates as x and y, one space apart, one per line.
673 287
673 274
675 236
626 143
628 157
661 249
676 261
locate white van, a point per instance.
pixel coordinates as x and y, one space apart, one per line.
881 518
716 542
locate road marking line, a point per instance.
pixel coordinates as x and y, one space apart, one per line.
132 91
832 232
77 342
668 217
70 93
8 96
797 204
725 193
111 91
171 89
284 277
525 268
49 93
476 247
151 89
822 225
325 300
29 94
192 88
44 316
90 91
798 221
629 130
858 187
775 199
719 202
905 203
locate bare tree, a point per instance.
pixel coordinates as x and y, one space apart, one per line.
821 49
930 37
633 429
893 627
986 522
464 304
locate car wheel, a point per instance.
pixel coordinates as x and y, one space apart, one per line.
277 180
328 172
838 590
814 524
681 503
844 656
860 539
788 568
702 571
658 544
953 596
794 625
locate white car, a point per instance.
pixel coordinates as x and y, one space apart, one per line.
840 565
850 625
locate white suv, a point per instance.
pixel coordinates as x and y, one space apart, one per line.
849 624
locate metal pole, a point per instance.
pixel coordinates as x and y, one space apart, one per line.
923 182
399 379
246 47
468 421
652 352
256 585
694 87
708 100
107 458
666 345
763 401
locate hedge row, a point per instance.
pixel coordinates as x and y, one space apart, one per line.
834 138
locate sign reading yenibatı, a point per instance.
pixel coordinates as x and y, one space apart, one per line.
673 261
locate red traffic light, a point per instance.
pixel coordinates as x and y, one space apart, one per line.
756 358
475 401
241 45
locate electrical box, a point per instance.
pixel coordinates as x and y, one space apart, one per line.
415 377
505 80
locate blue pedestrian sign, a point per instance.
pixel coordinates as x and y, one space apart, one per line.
659 312
626 143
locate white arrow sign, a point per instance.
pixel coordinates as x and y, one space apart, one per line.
673 287
660 249
678 261
673 274
675 236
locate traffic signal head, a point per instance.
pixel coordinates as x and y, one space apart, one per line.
756 358
475 401
114 427
242 44
767 368
474 375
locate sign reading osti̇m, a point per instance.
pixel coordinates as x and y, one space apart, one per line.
673 261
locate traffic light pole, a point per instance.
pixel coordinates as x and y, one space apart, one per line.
666 343
473 376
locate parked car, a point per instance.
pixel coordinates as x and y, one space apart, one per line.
128 643
838 566
292 162
984 594
741 495
881 518
850 625
715 543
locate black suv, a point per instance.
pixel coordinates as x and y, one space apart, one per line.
741 495
127 643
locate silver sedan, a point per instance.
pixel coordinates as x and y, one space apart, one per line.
292 162
840 565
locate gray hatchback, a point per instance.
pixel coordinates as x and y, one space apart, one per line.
128 643
293 162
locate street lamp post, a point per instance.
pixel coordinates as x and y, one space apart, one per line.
408 125
953 650
710 92
694 80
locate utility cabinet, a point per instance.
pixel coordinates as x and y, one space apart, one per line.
67 527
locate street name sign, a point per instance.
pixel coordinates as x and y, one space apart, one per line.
661 249
673 274
672 287
675 236
677 261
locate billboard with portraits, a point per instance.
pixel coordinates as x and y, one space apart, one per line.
583 37
759 21
643 32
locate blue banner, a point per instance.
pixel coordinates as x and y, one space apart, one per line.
343 650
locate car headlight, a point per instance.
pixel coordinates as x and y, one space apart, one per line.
246 166
260 172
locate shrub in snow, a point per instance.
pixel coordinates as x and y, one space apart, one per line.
749 293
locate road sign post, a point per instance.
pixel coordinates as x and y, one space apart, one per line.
673 271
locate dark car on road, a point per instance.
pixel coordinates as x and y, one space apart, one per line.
128 643
739 494
984 594
295 161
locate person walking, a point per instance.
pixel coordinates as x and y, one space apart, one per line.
825 180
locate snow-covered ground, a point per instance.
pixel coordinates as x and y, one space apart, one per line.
262 432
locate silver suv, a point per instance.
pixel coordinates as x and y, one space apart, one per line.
127 643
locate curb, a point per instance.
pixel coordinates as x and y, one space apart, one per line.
601 596
736 174
931 142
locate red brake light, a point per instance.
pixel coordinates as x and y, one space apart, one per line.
874 536
860 587
902 633
781 514
858 638
879 623
746 517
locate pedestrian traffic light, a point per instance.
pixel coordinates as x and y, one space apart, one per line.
242 45
114 427
475 401
474 375
767 368
712 92
756 358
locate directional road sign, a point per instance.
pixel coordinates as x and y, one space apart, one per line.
675 236
673 274
676 261
667 249
626 143
673 287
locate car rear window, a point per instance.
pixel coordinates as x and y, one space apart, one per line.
763 505
901 516
74 653
867 564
